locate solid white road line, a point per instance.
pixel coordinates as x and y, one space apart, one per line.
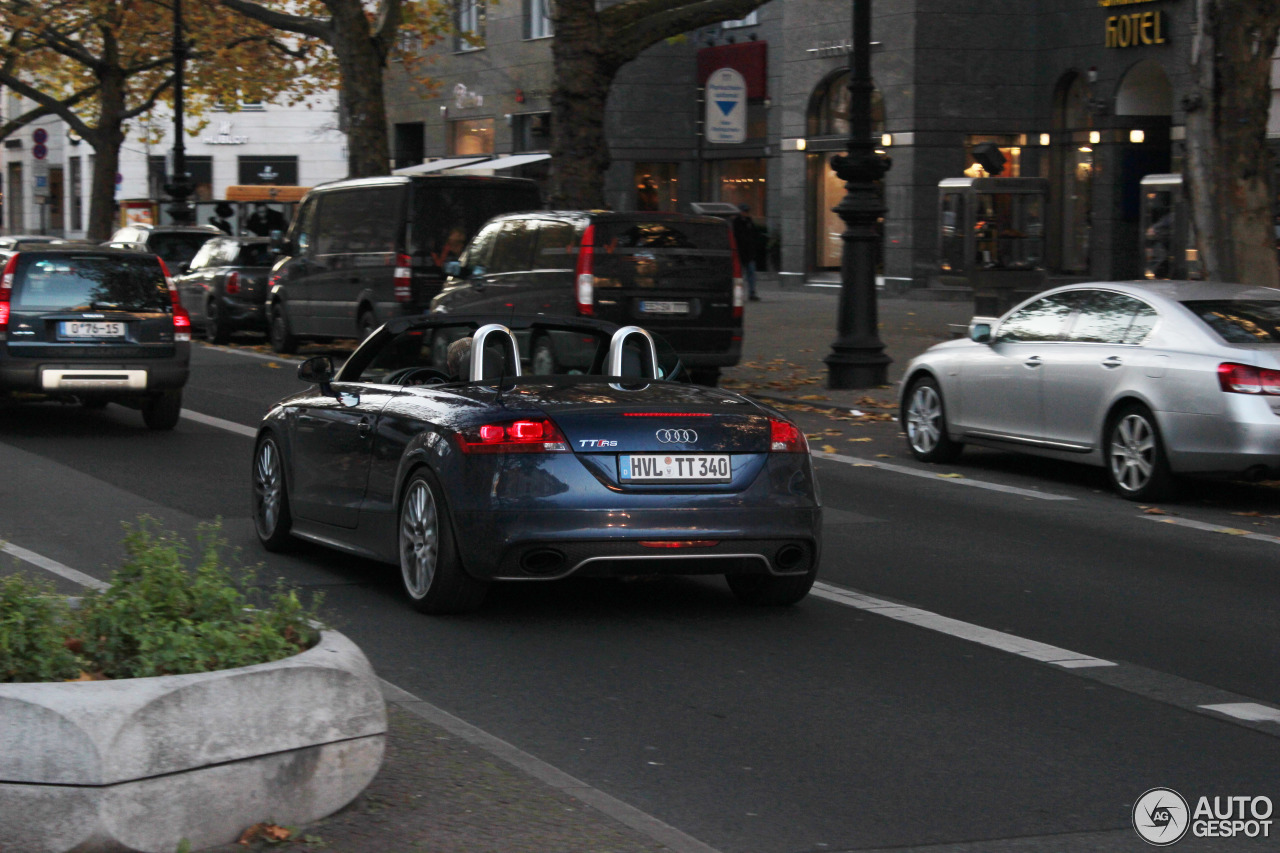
53 566
930 475
210 420
1214 528
1042 652
1251 711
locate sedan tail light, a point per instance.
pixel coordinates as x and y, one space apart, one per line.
1247 379
181 319
523 436
6 293
232 286
584 273
785 437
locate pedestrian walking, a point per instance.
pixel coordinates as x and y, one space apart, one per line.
747 237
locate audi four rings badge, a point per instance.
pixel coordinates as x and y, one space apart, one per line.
676 436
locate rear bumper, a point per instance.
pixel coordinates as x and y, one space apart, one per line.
1245 439
84 378
244 314
546 545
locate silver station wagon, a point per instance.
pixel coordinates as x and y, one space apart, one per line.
1150 380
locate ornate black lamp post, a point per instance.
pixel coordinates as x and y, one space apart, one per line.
857 358
179 187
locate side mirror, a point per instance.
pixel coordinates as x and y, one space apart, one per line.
453 268
318 370
980 332
276 244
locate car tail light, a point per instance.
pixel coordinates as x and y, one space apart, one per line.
181 319
739 289
232 286
6 292
679 543
523 436
1247 379
584 273
785 437
404 279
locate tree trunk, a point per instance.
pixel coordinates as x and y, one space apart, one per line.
106 139
1228 169
360 66
583 77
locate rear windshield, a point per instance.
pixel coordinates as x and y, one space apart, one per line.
255 255
1240 321
177 249
90 283
650 235
447 215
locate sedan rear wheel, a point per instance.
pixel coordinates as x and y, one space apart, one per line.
216 329
162 410
1136 463
925 421
271 516
429 566
282 338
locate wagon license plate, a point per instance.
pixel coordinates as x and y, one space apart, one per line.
90 329
674 468
651 306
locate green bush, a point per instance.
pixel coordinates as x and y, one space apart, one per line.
32 632
159 617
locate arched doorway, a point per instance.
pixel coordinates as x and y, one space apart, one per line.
827 135
1144 111
1073 167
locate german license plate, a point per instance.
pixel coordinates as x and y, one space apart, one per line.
651 306
674 468
90 329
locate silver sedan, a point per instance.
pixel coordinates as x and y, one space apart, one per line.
1149 380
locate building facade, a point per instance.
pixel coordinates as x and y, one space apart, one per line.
1086 94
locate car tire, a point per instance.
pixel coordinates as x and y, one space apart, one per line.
543 362
430 571
771 590
924 421
282 338
216 330
161 411
367 324
1134 455
271 516
708 376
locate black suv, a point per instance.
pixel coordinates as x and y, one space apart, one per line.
674 274
97 325
177 244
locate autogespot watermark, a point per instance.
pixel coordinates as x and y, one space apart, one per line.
1161 817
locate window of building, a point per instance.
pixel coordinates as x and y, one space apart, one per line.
268 170
738 182
750 20
471 136
537 19
829 109
657 186
531 132
410 142
469 18
1009 147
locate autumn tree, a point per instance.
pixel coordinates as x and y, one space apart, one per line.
590 46
363 40
97 64
1228 167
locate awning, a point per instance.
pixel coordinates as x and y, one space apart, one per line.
505 162
436 165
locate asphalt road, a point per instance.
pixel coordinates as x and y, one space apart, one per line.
1001 660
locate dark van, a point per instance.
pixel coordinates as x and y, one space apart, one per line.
674 274
360 252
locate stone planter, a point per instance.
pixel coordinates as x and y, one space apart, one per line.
140 764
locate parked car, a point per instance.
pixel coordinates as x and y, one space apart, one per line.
19 242
96 325
361 252
226 287
468 471
177 244
1150 380
676 274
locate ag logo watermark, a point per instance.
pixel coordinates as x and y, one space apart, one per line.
1161 817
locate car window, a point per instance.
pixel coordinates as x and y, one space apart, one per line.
90 283
304 226
208 256
480 249
554 246
1107 318
359 221
1144 320
513 250
447 214
1042 320
1240 321
250 255
177 248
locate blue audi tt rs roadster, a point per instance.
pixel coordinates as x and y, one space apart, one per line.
432 449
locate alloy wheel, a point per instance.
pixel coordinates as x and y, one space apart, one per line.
1133 452
267 480
924 418
419 539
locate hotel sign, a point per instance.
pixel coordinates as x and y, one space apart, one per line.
1134 29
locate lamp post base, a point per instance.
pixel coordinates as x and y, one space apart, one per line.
851 366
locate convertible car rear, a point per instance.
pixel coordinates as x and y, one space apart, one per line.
490 475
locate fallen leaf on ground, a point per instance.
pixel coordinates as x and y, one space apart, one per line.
273 364
884 456
814 397
265 832
859 439
952 476
1153 510
826 448
1233 531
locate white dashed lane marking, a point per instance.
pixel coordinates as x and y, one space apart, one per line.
1214 528
941 478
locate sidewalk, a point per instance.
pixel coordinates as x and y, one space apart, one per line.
446 788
